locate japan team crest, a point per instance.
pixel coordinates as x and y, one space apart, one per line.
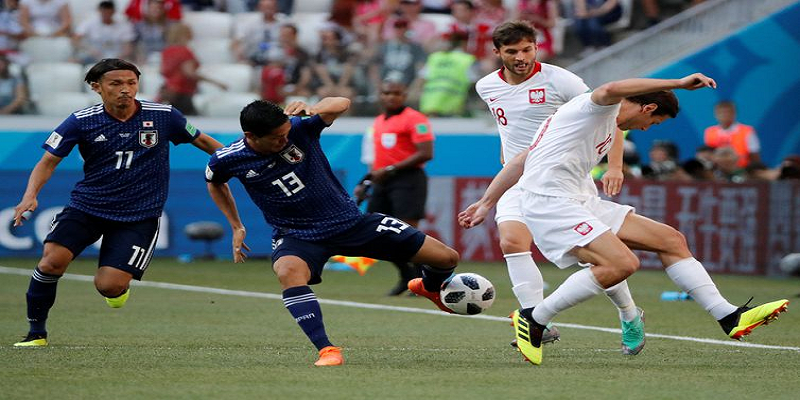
292 154
148 138
536 96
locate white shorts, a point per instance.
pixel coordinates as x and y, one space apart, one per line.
508 207
559 224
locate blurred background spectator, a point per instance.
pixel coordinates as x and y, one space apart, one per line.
254 39
369 18
728 132
449 75
652 9
151 32
591 18
543 14
45 17
663 165
13 94
288 72
478 34
790 168
10 28
436 6
137 9
333 66
399 60
179 66
420 31
726 165
103 36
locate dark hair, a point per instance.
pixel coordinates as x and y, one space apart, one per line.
513 32
107 4
107 65
261 117
725 103
464 2
665 100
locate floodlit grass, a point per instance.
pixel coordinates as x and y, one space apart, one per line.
176 344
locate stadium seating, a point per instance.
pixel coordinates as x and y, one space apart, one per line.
238 77
47 49
316 6
62 104
625 19
442 21
84 9
225 104
309 25
47 78
209 24
150 82
212 50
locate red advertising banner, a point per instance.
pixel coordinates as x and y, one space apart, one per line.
731 228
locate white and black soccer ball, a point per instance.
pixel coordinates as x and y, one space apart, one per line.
790 264
467 293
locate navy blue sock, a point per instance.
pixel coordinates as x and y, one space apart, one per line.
41 296
432 278
303 305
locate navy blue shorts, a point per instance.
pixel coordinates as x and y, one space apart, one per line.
375 236
127 246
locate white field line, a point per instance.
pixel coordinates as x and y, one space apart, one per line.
244 293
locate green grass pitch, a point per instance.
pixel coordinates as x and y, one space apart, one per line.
168 344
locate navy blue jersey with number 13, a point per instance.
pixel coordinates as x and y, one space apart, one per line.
295 188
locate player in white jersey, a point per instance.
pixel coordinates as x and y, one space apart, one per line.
521 95
571 223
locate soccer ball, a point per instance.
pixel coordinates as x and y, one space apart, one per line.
467 293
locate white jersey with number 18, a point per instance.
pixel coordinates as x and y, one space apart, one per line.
520 109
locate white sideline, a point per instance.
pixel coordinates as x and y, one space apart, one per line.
244 293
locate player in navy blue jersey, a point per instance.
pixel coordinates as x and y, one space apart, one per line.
125 147
281 165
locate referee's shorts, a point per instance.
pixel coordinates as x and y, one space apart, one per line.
402 195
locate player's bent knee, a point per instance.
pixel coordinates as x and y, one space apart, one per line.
514 244
629 264
51 267
110 289
675 242
291 272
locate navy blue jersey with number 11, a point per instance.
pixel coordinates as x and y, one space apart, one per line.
125 163
294 188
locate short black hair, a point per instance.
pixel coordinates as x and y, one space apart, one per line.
261 117
512 32
107 65
107 4
665 100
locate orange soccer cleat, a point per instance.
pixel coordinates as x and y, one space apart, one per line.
330 356
415 286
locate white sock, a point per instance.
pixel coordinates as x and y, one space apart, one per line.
692 278
526 280
620 295
578 287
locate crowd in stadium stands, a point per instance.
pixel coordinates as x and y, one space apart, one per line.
195 54
293 49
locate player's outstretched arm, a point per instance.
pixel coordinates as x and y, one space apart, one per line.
223 198
613 178
206 143
613 92
507 177
39 176
331 108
